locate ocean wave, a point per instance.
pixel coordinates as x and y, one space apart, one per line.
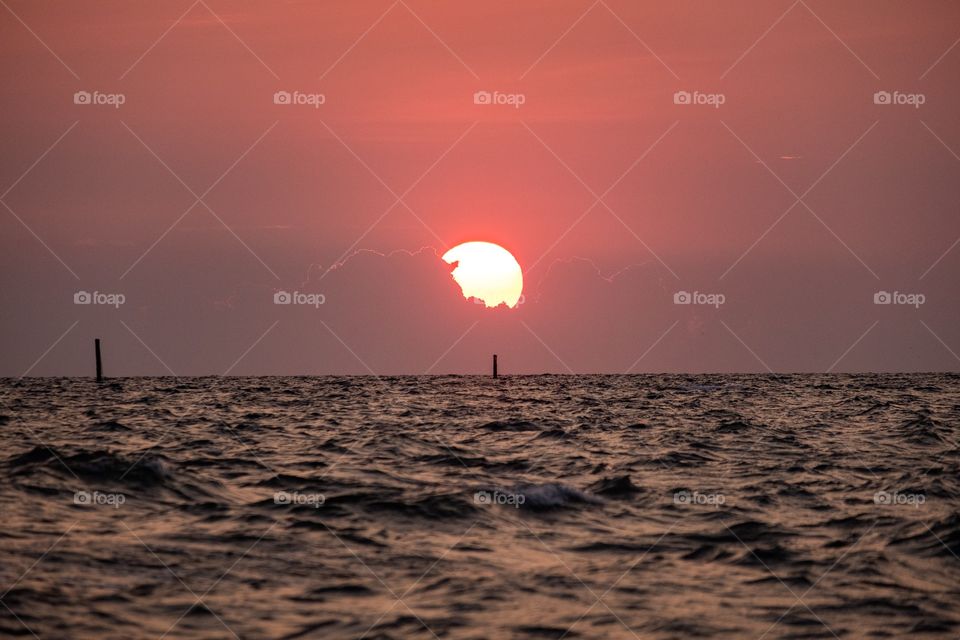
490 508
96 465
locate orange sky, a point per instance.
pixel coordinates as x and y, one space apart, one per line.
598 165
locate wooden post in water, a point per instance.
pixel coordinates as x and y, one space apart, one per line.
96 348
494 365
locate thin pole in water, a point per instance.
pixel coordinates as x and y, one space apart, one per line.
96 348
494 365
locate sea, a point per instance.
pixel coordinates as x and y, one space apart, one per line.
554 506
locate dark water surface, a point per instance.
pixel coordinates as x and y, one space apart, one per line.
464 507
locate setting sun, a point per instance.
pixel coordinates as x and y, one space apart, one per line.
486 271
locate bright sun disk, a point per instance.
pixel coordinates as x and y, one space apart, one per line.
486 271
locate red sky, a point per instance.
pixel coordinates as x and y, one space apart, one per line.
798 198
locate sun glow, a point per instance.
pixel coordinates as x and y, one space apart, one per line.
486 271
